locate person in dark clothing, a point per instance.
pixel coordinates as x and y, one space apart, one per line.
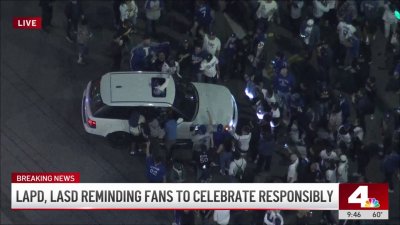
73 12
324 96
324 61
188 217
345 107
297 114
229 57
159 62
117 12
118 45
311 135
184 217
363 159
47 13
203 162
363 106
266 147
370 89
184 59
205 216
391 165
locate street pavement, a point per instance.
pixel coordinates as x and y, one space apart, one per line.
41 128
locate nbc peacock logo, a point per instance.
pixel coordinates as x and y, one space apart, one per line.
371 203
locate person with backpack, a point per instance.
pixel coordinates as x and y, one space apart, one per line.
156 171
203 162
237 168
136 125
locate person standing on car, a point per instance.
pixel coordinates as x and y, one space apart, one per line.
237 168
73 12
156 171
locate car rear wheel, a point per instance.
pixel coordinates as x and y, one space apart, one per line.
119 139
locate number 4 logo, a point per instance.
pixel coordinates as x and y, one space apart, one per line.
360 196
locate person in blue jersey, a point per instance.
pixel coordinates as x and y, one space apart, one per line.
279 62
284 83
202 18
155 169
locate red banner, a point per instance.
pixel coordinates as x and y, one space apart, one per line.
52 177
27 23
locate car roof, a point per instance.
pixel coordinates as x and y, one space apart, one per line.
133 88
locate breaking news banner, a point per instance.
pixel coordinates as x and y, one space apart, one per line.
62 191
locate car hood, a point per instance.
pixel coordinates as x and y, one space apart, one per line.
218 100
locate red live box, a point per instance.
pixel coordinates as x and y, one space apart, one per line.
27 23
363 196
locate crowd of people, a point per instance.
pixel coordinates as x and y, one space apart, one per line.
321 124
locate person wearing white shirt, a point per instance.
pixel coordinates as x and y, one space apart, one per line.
211 44
209 67
129 11
243 140
221 217
390 21
328 154
292 171
319 9
342 171
265 12
266 9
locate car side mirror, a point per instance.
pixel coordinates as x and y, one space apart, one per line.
180 120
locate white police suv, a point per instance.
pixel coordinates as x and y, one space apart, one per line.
108 102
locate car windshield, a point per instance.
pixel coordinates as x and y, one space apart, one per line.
186 100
